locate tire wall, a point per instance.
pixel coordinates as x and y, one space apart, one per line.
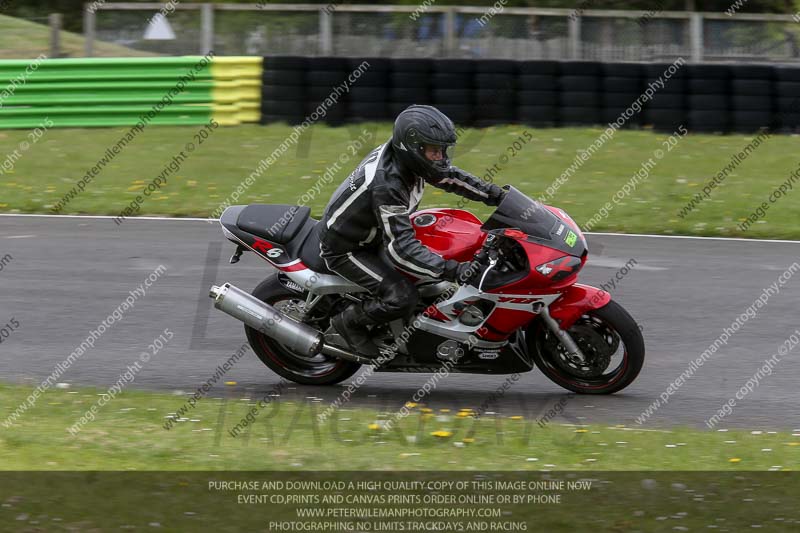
703 98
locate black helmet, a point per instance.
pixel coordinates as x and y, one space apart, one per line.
417 126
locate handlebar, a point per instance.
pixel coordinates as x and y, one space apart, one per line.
490 244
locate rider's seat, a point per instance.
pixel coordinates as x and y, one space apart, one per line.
277 223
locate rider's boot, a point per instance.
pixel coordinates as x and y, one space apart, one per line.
351 325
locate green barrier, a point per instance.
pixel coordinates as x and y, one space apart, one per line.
94 116
92 93
49 70
115 92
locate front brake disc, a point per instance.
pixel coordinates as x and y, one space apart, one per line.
594 345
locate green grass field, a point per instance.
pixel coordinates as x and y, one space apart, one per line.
128 434
43 173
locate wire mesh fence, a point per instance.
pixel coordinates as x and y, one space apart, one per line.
734 40
459 32
629 39
146 30
262 33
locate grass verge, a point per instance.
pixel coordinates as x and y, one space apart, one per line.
211 173
128 434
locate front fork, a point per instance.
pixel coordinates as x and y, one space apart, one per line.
573 351
562 313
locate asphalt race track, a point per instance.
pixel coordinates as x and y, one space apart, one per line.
68 274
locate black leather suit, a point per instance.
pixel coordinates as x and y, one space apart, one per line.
367 234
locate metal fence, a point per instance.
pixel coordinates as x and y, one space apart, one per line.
437 31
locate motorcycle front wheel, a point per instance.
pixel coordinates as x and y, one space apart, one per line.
611 343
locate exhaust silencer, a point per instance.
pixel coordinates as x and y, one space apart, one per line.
299 338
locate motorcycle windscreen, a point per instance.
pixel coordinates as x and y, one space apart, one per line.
519 211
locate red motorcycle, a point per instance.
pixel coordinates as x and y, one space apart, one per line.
524 309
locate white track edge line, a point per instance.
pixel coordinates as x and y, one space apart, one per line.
194 219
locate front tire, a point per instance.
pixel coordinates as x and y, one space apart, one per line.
609 338
317 370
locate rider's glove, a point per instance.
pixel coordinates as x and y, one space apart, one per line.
461 273
496 195
493 194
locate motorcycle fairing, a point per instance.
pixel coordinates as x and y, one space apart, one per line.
575 301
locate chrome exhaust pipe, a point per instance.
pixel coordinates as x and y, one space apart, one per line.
299 338
335 351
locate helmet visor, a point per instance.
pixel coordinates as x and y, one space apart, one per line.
439 155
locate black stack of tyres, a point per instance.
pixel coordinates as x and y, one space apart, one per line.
451 80
666 110
538 93
324 81
752 100
787 92
409 80
283 91
369 92
495 92
622 85
580 102
708 97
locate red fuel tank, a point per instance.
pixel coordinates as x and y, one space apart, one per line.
451 233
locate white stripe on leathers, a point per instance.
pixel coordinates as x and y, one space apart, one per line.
364 267
390 211
369 175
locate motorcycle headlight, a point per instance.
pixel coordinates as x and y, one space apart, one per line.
560 268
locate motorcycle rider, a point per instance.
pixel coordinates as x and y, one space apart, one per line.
366 230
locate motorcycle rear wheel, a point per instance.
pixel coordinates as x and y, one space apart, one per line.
603 335
317 370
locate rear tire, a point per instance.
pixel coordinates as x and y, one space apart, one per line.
626 337
319 370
